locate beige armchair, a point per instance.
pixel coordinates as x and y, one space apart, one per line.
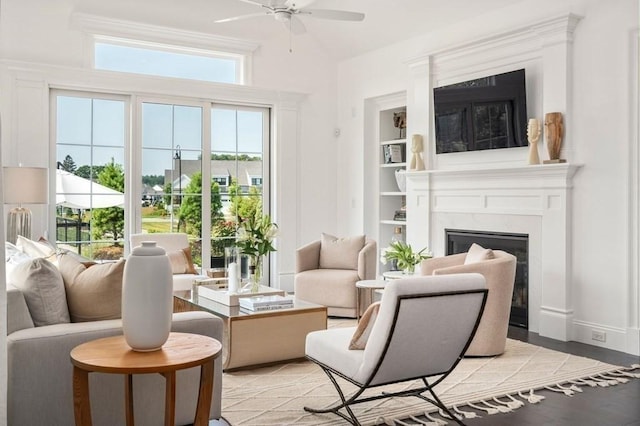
177 247
499 272
327 271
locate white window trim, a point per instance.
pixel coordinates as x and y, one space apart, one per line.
96 27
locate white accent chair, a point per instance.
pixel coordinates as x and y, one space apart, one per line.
422 330
169 242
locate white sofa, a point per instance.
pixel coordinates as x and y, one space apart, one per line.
40 372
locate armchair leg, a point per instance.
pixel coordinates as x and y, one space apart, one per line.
352 400
345 402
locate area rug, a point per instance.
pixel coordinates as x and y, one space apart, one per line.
276 395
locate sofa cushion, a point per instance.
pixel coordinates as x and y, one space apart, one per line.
36 248
43 290
181 261
477 253
94 290
363 330
340 253
13 256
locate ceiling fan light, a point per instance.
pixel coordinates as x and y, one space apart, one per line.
282 15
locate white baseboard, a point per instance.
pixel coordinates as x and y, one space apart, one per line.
615 338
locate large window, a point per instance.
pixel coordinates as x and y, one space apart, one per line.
168 142
90 134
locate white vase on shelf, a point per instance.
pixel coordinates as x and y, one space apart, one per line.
147 298
401 180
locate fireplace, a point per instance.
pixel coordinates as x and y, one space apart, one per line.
459 241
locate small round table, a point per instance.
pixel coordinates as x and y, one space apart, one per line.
113 355
366 284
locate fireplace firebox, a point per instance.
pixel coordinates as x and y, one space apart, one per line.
459 241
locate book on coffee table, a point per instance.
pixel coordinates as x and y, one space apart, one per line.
265 303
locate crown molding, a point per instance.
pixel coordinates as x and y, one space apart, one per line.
111 27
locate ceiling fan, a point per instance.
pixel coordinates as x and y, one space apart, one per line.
285 11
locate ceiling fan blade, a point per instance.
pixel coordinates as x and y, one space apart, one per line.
340 15
261 3
295 25
241 17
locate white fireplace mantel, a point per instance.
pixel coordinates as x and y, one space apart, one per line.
532 200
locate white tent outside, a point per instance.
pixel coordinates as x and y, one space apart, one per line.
77 192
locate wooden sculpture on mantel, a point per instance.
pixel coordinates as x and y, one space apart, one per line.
533 135
553 133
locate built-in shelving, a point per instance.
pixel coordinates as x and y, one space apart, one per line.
391 198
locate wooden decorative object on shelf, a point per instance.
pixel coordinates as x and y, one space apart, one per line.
553 133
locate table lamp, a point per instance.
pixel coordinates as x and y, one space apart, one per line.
23 185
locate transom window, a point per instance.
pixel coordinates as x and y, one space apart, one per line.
167 61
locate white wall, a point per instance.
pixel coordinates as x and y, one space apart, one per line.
600 134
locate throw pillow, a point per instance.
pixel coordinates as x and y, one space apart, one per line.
43 290
361 335
36 248
94 291
340 253
477 253
181 261
13 256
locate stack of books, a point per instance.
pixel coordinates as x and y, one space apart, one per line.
392 154
400 215
265 303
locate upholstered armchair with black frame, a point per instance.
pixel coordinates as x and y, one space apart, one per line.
421 331
328 269
499 270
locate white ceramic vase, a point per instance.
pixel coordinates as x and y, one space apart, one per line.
401 180
147 298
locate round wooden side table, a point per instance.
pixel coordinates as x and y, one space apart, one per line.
113 355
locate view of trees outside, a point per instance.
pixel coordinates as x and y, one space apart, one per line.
90 145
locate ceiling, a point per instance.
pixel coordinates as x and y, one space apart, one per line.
385 23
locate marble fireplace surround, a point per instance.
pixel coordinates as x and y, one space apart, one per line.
532 200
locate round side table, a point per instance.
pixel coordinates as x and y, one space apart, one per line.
113 355
369 285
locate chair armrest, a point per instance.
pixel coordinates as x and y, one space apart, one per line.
18 316
367 260
428 266
308 257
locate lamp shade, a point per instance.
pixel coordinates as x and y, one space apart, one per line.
25 185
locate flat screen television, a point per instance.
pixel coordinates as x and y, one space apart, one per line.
485 113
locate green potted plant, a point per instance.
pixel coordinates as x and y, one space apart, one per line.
404 256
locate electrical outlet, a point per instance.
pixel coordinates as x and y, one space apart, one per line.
598 335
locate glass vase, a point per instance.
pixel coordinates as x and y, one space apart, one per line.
409 269
255 273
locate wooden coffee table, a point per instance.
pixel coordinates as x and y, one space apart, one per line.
113 355
257 338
